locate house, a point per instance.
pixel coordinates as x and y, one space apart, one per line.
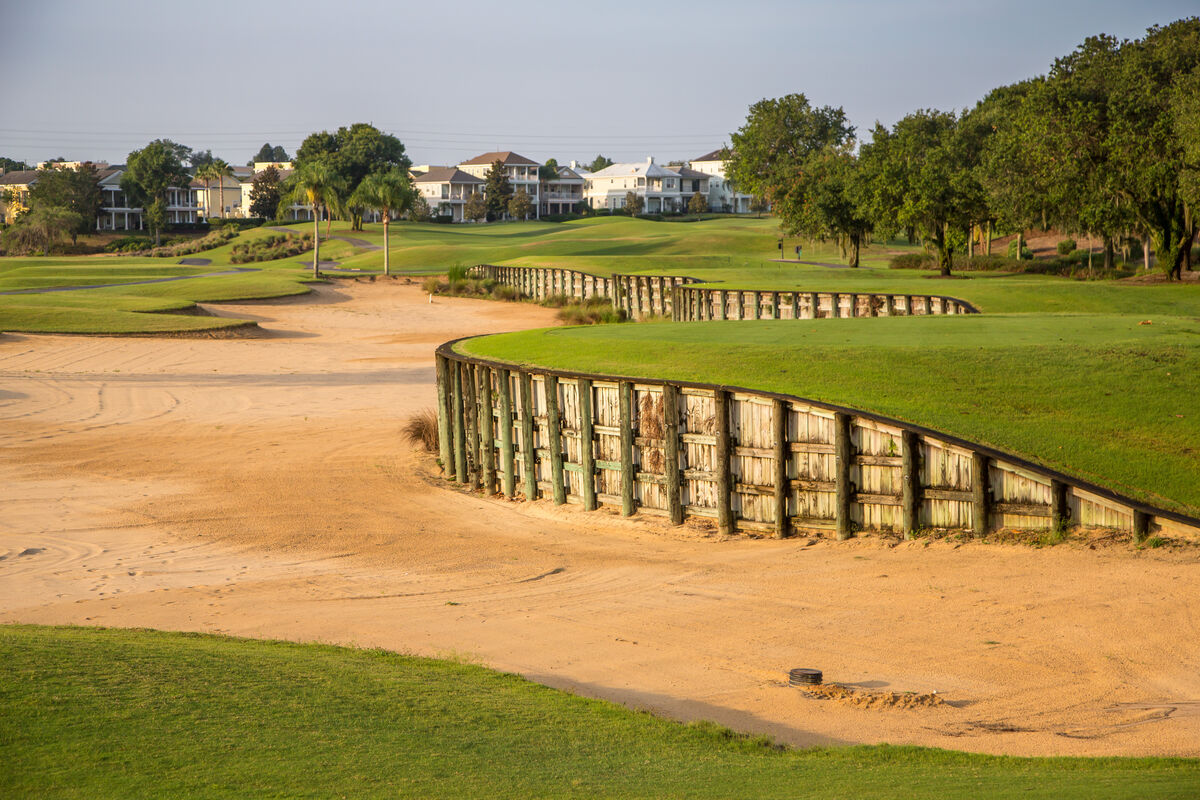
522 173
117 213
691 182
446 189
235 203
14 193
659 187
293 212
562 193
722 196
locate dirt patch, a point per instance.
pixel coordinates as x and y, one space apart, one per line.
866 698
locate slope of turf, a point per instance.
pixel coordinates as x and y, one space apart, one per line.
88 713
1101 397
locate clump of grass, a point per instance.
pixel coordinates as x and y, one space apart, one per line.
593 311
422 429
557 301
432 284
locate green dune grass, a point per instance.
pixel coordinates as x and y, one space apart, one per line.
94 713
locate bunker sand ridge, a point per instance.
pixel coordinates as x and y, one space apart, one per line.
262 487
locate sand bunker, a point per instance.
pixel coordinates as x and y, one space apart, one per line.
262 487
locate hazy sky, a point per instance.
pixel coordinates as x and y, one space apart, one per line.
94 80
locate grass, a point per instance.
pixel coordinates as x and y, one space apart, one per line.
1101 397
94 713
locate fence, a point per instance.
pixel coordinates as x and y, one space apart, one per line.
753 461
676 297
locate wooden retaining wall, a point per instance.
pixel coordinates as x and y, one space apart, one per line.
752 461
674 296
693 303
638 295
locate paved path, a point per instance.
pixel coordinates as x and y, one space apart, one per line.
48 289
195 262
811 263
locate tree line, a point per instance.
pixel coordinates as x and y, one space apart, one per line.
1107 143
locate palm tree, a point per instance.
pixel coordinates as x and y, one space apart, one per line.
208 174
386 192
316 184
221 170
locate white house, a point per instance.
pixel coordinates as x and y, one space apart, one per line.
117 213
522 173
658 187
446 189
721 194
562 193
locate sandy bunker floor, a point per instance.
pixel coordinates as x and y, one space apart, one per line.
261 487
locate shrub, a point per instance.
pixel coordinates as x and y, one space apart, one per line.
457 273
912 261
503 292
422 429
270 248
593 311
1065 246
557 301
431 284
1026 253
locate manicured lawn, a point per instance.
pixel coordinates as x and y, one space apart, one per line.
1101 397
92 713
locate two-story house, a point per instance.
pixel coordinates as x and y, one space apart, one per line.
14 193
445 189
522 173
658 187
562 193
117 212
722 195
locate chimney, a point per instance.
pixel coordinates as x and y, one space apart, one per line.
649 160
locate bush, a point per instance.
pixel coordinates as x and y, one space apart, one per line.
593 311
1065 246
431 284
422 429
1026 253
912 261
270 248
504 292
128 244
557 301
457 273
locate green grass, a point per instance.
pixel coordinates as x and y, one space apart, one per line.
1100 397
93 713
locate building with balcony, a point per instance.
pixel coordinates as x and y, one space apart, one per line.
117 212
522 173
722 196
659 187
14 193
563 193
446 190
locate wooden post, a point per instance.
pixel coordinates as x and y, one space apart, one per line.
1060 512
507 461
795 305
445 443
487 432
835 303
908 308
722 304
671 453
723 455
910 489
757 300
783 457
814 305
626 408
980 494
676 310
460 434
741 304
528 451
471 390
554 440
1141 526
774 305
587 440
843 458
853 306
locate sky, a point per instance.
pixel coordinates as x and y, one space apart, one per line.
563 80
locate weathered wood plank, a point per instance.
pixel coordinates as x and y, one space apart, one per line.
843 460
528 453
554 436
671 453
587 441
724 477
626 448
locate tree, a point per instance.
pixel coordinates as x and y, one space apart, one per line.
201 158
420 211
387 192
40 228
599 163
207 173
921 175
76 190
355 152
317 185
496 190
832 203
549 170
268 153
519 205
265 193
149 173
634 203
222 170
769 153
697 204
11 165
476 207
